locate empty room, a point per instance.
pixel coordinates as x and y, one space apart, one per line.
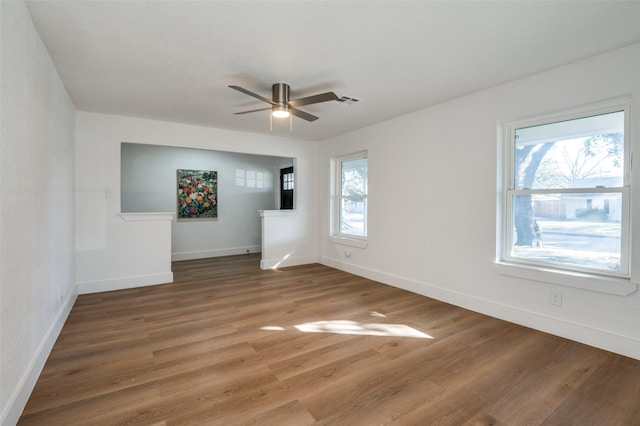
191 232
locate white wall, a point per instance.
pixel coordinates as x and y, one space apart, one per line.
432 203
149 185
109 254
279 228
37 284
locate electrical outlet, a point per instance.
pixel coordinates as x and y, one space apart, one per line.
555 297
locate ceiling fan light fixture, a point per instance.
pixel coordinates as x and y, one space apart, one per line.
280 111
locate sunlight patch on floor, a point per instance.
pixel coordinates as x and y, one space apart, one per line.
272 328
362 329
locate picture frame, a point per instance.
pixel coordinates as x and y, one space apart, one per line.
197 194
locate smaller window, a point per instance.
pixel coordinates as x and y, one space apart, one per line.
350 202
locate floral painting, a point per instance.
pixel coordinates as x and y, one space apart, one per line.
197 194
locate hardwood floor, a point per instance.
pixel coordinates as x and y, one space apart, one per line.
229 344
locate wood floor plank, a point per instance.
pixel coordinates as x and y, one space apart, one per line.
100 410
230 344
333 349
608 396
291 413
556 369
385 405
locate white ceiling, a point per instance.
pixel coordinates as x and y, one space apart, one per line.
173 60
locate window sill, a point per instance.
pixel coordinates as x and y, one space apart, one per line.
346 241
597 283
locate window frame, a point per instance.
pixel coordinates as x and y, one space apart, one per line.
336 197
604 281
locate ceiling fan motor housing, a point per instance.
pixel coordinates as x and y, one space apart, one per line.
280 93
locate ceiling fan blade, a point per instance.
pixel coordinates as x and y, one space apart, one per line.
253 110
322 97
255 95
303 115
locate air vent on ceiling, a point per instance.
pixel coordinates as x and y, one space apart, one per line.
346 100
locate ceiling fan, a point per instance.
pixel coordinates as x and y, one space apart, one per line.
282 106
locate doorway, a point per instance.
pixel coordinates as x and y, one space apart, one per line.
286 188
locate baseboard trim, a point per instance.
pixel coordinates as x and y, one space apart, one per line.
99 286
290 261
602 339
18 400
202 254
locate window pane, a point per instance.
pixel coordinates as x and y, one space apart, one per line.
251 179
576 230
582 153
354 177
239 177
352 216
287 181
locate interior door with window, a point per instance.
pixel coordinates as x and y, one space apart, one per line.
286 188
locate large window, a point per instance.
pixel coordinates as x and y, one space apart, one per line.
350 202
566 193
